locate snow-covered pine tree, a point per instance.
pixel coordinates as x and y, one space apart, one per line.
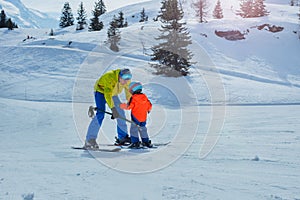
143 15
218 11
66 18
171 53
100 9
81 18
252 8
260 8
113 34
201 8
245 8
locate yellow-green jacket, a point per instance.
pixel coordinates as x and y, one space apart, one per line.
109 85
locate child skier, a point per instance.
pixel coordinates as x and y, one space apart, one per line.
140 106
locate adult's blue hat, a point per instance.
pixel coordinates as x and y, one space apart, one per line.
135 86
125 74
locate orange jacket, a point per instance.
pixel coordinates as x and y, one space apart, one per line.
139 105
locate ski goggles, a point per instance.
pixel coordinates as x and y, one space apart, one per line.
125 74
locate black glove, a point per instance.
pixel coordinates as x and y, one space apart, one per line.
91 112
115 113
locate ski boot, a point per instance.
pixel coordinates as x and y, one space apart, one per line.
91 144
147 144
124 141
135 145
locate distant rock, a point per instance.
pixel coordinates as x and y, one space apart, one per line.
271 28
231 35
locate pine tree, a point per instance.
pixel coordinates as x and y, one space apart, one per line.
2 19
299 22
172 53
66 18
81 19
260 8
252 8
120 20
6 23
218 11
100 9
201 8
292 2
51 32
114 35
9 24
144 17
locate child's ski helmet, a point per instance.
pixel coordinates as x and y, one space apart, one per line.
135 86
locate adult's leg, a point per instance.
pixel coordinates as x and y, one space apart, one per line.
96 122
121 123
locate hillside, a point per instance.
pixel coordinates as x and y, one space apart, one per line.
258 63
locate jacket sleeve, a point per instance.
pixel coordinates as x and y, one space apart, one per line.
130 103
149 106
127 93
124 106
105 85
108 97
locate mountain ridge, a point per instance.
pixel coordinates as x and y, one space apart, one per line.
25 17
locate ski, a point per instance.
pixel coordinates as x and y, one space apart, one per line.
116 149
155 145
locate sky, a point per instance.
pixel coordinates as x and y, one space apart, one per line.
57 5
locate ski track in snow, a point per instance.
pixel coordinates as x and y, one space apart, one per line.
230 170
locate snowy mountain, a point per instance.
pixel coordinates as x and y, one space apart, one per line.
26 18
233 123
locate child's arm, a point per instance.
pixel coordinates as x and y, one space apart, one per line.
149 106
124 106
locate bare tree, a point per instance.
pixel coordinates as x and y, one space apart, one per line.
201 8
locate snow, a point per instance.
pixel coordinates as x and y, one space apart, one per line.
233 122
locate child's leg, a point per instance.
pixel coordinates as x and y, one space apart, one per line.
144 133
134 133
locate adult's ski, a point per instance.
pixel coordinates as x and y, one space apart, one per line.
115 149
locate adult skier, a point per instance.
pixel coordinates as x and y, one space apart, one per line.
106 91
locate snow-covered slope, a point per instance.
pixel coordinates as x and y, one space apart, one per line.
243 151
256 64
26 18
